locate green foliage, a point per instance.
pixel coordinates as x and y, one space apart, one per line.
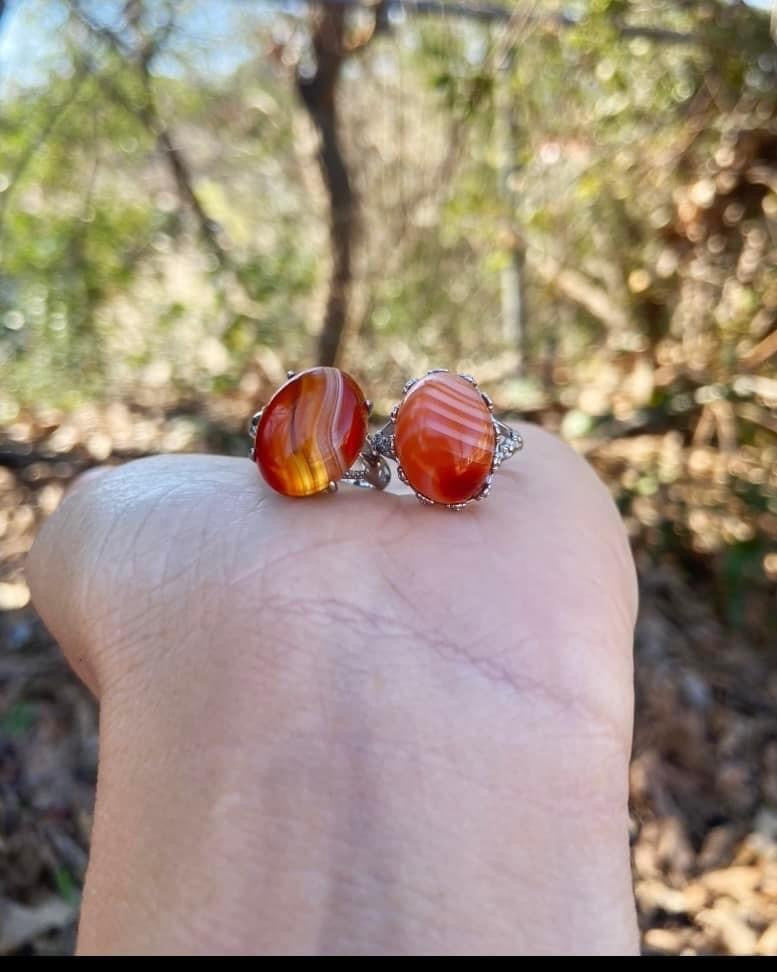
66 886
637 192
18 719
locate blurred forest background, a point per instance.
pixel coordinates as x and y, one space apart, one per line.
576 202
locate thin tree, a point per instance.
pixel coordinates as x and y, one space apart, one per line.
318 91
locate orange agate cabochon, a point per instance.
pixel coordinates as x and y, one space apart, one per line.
445 438
311 431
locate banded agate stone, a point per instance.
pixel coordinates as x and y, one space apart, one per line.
311 431
445 438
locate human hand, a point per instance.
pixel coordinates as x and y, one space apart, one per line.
351 723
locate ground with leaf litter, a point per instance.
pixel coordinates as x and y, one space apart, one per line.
703 776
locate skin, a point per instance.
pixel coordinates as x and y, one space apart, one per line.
350 724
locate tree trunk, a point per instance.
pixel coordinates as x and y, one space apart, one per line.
513 323
318 94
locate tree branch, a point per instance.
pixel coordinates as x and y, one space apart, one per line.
494 14
148 114
579 289
35 144
760 354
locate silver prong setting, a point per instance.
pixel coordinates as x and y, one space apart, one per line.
485 489
369 470
507 441
254 424
382 442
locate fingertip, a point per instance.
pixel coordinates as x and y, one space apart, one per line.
567 497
